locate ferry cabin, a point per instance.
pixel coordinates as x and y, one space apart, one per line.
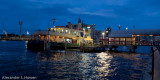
62 34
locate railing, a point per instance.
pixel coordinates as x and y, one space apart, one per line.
17 38
142 43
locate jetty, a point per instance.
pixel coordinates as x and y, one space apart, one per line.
131 38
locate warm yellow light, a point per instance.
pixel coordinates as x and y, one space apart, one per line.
57 37
103 33
150 35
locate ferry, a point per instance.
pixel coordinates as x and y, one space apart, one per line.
58 37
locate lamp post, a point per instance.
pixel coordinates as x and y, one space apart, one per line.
48 45
103 37
126 28
119 26
20 23
107 33
27 32
49 28
103 34
84 33
48 31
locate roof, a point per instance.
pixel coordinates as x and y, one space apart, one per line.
60 26
129 33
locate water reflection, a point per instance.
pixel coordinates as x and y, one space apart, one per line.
103 61
76 65
70 64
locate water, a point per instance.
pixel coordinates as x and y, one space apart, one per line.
16 60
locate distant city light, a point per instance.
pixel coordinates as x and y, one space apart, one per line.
27 33
88 27
126 28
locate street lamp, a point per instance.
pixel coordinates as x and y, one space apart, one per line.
119 26
103 34
27 33
84 32
83 37
126 28
48 45
107 33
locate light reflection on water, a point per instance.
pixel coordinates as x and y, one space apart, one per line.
70 64
104 60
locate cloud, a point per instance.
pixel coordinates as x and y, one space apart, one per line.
152 13
101 12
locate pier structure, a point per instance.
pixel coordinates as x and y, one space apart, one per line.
115 38
132 38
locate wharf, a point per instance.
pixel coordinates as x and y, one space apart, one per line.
16 39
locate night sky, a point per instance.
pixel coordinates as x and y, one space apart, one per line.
35 14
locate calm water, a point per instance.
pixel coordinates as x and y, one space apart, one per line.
16 60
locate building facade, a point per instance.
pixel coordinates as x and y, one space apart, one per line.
134 37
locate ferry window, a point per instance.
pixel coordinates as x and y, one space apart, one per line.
66 31
69 31
75 33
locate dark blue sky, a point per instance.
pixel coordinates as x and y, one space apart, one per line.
35 14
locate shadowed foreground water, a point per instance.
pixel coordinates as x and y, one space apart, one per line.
16 60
